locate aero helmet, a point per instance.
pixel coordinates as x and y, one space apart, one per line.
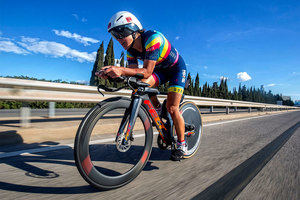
122 24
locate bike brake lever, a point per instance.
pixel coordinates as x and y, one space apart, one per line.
98 88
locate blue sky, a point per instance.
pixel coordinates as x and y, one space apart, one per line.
250 42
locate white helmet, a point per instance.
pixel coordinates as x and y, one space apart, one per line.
122 24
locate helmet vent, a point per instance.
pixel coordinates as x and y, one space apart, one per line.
119 17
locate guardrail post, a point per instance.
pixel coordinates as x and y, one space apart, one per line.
227 110
211 109
249 109
25 115
51 109
235 109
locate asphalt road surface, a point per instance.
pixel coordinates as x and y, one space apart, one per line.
256 158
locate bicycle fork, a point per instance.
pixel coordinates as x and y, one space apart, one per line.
130 116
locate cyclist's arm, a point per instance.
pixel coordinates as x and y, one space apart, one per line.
147 70
133 66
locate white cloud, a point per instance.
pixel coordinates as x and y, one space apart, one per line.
271 85
295 73
78 18
177 37
84 40
274 84
56 49
9 46
243 76
205 67
211 76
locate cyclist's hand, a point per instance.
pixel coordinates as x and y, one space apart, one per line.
113 71
101 74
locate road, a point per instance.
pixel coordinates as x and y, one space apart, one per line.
257 158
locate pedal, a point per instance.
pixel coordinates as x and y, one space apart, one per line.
131 138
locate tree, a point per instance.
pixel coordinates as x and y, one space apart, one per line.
240 96
204 90
98 64
222 89
215 90
235 94
227 95
122 60
190 89
109 57
197 89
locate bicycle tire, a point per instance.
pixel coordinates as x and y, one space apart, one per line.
83 161
192 115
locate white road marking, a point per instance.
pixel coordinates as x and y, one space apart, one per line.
65 146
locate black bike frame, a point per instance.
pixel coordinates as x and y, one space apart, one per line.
139 99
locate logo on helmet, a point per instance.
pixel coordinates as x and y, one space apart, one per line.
128 19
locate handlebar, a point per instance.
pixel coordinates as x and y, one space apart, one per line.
132 82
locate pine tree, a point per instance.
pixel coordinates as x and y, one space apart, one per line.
251 97
235 94
122 60
204 90
240 95
112 57
227 95
209 91
109 57
197 86
221 90
215 90
189 90
98 64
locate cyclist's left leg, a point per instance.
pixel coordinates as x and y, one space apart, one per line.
177 82
173 102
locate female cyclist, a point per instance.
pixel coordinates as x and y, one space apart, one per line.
161 63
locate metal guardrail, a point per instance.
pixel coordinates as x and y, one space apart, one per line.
29 90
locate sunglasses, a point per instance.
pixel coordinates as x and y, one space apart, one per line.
121 32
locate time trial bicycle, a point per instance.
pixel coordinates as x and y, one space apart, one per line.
113 162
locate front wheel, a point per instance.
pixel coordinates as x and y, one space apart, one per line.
100 157
192 117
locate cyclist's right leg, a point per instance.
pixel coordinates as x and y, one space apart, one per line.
153 81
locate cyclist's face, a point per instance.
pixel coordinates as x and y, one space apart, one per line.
126 42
